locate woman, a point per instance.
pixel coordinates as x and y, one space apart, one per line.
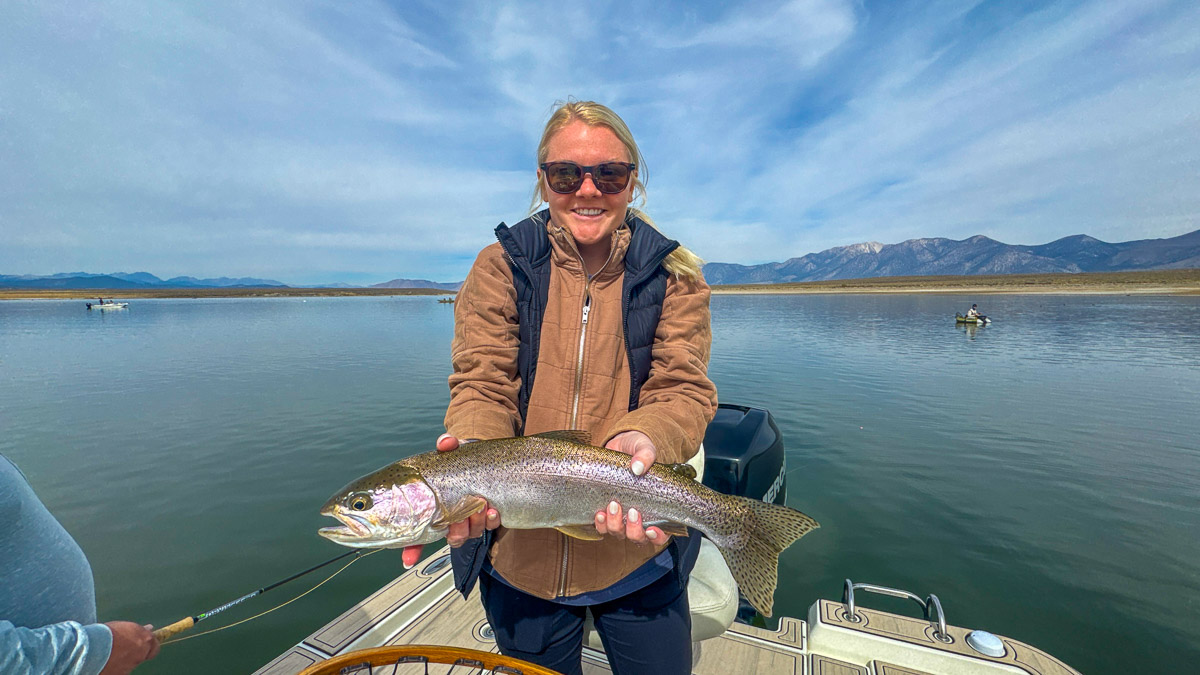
584 316
48 599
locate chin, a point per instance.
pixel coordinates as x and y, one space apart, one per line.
593 233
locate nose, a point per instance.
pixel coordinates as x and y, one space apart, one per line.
588 187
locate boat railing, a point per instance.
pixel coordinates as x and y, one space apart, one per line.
930 606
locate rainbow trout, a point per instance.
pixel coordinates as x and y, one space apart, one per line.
559 480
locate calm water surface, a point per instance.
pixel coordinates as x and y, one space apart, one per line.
1041 474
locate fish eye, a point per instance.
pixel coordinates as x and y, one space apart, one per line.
360 502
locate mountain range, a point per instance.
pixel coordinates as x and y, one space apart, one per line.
915 257
976 255
71 280
136 280
418 283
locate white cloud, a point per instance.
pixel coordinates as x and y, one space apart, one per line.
803 30
1038 133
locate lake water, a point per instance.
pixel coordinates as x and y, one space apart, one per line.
1041 474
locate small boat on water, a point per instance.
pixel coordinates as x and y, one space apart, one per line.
980 320
107 305
446 300
419 618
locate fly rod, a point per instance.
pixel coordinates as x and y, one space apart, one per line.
183 624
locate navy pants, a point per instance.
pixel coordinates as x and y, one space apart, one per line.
647 631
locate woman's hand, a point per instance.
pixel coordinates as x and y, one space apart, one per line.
626 526
638 446
463 530
629 526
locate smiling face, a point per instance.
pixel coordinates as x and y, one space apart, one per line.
588 214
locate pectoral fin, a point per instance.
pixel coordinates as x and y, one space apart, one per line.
585 532
467 506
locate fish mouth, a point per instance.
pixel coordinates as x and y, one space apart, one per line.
357 531
353 527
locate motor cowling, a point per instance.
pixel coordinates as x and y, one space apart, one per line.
744 455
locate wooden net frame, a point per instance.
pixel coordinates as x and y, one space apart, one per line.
388 659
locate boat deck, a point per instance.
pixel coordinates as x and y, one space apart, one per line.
422 607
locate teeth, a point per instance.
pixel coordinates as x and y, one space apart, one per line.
589 212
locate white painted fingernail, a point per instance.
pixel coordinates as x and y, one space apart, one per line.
652 534
613 508
633 514
492 515
600 519
638 467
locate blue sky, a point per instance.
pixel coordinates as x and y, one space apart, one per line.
315 142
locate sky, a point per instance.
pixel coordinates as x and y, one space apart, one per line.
357 142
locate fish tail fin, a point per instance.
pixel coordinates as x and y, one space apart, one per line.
752 552
780 525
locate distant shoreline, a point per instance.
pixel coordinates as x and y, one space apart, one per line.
89 294
1158 282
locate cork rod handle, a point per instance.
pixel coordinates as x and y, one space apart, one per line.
178 627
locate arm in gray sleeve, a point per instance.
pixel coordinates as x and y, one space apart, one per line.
67 648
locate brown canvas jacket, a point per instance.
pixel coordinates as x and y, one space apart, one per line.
675 404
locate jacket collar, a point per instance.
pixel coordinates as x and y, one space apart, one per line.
528 244
565 252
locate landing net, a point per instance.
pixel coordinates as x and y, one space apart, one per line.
428 659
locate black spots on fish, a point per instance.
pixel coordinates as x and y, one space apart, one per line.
402 474
779 525
569 435
755 568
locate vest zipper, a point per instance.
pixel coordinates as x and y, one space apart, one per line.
587 306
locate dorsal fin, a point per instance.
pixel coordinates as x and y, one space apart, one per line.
572 435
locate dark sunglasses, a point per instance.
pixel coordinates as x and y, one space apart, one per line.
566 177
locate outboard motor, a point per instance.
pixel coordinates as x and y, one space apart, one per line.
743 454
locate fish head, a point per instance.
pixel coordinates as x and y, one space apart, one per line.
390 508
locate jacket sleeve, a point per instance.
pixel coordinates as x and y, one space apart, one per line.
67 648
678 400
484 383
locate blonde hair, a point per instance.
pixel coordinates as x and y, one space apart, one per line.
681 261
